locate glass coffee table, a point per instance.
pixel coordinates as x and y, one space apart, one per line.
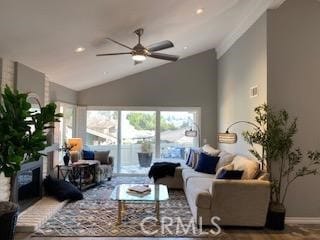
157 194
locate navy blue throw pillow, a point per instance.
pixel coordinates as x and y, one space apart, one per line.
207 163
188 162
88 155
230 174
61 189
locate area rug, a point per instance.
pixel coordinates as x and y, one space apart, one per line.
96 216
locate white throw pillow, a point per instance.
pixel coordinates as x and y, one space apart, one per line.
226 167
263 176
225 159
210 150
250 167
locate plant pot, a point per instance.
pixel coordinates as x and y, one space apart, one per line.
145 159
8 220
66 159
276 216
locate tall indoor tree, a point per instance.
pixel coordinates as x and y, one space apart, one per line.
284 162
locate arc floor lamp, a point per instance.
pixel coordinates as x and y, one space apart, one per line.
231 138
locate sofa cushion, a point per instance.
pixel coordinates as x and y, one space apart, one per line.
88 154
226 167
191 173
192 157
207 163
210 150
230 174
250 167
102 156
225 159
198 192
263 176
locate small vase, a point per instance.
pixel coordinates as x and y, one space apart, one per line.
66 159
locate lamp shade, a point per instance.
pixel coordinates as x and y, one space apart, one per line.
228 138
191 133
76 144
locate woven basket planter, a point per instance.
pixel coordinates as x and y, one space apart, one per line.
8 220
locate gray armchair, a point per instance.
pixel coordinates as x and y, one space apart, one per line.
105 168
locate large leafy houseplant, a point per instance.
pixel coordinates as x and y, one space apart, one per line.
23 135
275 133
22 132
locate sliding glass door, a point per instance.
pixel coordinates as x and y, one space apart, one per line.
173 142
138 129
102 131
136 137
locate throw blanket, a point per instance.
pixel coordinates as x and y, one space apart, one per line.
162 169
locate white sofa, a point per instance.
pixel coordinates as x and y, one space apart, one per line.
236 202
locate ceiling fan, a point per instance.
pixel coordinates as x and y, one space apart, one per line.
139 52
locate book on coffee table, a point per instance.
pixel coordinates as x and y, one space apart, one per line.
139 189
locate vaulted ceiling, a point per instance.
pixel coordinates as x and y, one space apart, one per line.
43 34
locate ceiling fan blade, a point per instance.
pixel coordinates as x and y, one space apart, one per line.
121 44
160 46
164 56
112 54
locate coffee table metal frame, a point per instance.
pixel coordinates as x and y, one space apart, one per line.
120 194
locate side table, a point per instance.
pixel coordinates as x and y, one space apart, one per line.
82 174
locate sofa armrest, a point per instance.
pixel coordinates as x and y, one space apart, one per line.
241 201
241 189
111 160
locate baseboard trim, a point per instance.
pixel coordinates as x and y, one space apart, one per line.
303 220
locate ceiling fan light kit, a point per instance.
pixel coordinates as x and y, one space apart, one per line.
138 58
140 53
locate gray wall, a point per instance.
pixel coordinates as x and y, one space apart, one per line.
1 71
244 65
294 84
29 80
62 94
190 82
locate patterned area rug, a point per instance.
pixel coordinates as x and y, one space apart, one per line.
96 215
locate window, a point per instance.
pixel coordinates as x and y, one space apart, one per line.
102 131
67 122
129 131
137 128
173 142
64 129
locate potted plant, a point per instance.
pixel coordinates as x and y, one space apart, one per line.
22 137
283 162
145 156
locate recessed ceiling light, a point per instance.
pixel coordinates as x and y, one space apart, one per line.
199 11
105 73
79 49
185 47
